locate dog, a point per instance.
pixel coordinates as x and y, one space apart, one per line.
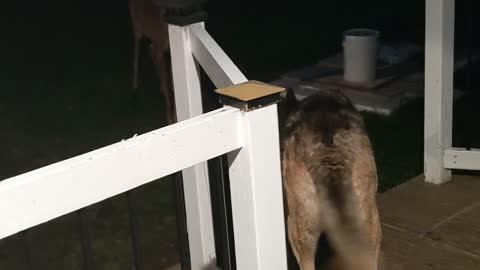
330 182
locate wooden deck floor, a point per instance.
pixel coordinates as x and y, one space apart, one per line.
432 227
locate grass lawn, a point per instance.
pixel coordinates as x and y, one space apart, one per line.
66 77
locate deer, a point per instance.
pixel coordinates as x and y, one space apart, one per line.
148 21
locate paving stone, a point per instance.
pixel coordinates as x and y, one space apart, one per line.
462 231
407 251
418 206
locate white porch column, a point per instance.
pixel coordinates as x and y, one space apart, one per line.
439 50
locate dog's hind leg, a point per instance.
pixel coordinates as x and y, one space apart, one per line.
303 222
303 241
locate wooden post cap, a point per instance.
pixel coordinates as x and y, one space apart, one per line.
250 95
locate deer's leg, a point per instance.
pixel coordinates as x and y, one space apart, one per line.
136 49
163 74
169 84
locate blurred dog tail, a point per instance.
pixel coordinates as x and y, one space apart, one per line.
352 250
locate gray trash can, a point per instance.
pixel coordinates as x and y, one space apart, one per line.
360 55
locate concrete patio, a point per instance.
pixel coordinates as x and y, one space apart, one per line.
426 226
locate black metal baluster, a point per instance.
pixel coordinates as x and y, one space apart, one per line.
182 231
134 231
26 249
221 211
219 189
87 254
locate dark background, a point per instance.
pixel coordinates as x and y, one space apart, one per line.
65 89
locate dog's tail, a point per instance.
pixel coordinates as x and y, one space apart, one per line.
352 250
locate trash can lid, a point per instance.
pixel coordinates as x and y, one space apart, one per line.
361 32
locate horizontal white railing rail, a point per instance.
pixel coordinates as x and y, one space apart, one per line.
218 66
461 159
44 194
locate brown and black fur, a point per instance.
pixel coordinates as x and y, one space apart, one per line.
330 182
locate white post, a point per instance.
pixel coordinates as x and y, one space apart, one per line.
256 193
188 101
439 50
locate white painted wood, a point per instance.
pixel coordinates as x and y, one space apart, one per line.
188 103
462 159
186 78
256 193
218 66
439 50
41 195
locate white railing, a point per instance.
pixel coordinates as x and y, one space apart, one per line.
439 155
249 138
190 45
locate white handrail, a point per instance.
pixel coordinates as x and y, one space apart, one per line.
41 195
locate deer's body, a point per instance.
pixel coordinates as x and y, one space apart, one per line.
148 21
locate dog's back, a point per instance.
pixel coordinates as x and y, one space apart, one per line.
330 182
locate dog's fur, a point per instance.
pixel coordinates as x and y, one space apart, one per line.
330 182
